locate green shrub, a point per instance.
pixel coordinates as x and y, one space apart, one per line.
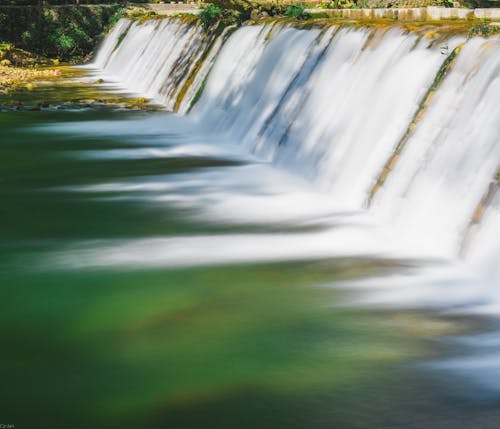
209 16
483 29
296 11
65 43
113 20
69 33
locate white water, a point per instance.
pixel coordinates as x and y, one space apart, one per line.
452 157
331 106
157 58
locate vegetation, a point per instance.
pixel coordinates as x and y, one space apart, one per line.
343 4
210 15
69 33
227 12
479 3
483 29
14 77
297 11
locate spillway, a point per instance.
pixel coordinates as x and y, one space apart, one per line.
399 126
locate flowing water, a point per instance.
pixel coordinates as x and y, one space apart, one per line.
305 235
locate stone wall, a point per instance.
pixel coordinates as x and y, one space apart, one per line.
430 13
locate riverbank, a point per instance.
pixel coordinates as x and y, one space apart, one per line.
19 67
63 88
14 77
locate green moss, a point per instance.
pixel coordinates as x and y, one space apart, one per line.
209 16
297 11
200 92
443 71
483 29
122 36
319 15
213 37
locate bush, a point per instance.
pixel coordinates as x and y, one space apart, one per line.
296 11
209 16
69 33
483 29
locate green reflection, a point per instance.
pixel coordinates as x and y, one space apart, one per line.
249 346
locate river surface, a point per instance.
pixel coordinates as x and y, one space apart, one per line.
154 277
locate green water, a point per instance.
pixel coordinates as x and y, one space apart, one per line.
253 345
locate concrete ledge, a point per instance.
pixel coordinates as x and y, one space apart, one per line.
437 13
492 14
429 13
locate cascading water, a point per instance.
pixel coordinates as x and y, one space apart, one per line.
306 106
332 104
159 59
409 123
452 156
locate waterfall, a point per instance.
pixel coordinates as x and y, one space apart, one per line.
165 60
335 104
337 112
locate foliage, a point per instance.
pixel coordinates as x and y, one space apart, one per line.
68 33
241 6
115 17
445 3
225 13
346 4
479 3
327 5
483 29
296 11
210 15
